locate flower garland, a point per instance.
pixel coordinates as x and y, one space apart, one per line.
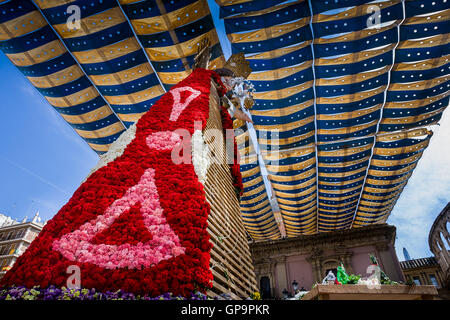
227 123
138 223
235 169
200 156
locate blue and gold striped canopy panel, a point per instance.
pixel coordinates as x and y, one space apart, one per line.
345 93
32 45
293 178
111 56
256 210
105 47
170 32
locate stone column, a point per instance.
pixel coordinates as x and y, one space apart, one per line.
445 234
273 263
315 266
288 276
425 278
444 251
279 270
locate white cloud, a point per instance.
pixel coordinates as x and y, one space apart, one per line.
426 194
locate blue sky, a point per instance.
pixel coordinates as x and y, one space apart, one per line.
43 161
425 195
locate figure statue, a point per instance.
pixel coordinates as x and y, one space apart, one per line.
330 278
233 75
235 94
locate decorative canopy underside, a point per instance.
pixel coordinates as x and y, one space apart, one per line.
343 101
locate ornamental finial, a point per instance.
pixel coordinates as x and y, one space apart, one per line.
239 66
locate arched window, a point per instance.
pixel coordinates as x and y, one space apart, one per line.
329 265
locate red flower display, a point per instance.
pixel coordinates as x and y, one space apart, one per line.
227 123
139 222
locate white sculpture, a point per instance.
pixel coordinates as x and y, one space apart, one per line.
330 278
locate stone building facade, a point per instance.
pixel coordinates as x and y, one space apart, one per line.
425 271
15 237
307 259
439 242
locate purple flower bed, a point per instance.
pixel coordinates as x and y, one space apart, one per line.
55 293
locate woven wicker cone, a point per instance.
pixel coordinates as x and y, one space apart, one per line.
231 263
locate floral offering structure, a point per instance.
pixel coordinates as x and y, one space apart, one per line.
138 222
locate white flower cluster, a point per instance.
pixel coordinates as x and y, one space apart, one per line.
200 156
370 282
242 89
116 149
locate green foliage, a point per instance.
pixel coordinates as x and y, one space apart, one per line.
373 259
353 279
342 276
388 281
